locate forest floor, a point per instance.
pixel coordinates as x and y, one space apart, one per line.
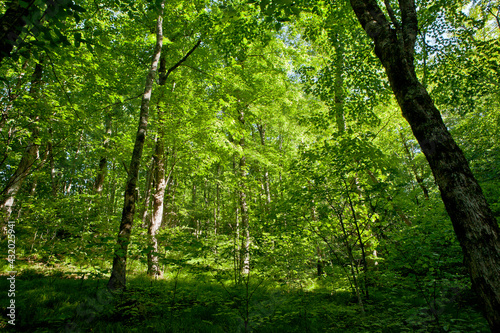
187 300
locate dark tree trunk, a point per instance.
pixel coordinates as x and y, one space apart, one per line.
118 273
475 226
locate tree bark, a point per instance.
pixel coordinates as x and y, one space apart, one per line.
30 155
118 273
339 84
474 224
245 258
158 201
262 133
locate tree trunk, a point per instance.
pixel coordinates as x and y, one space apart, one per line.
262 132
157 217
101 173
474 224
30 155
339 83
245 258
118 273
147 194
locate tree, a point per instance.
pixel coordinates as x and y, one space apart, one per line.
118 273
475 226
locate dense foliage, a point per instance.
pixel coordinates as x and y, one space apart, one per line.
279 188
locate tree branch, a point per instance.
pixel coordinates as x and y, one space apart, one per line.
410 26
164 77
392 15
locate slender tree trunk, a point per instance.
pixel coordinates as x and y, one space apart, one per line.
101 173
53 180
30 155
158 201
147 193
339 83
67 187
418 178
475 226
217 197
351 261
360 239
262 132
118 273
245 265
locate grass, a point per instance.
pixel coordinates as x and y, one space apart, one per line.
202 301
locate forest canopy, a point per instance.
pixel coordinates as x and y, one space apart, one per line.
250 166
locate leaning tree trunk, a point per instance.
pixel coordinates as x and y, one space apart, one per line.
118 273
30 155
475 226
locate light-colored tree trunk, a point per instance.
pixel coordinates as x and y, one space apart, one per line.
245 263
262 133
28 158
158 204
119 271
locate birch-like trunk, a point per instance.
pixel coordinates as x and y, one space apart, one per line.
245 258
158 203
118 273
30 155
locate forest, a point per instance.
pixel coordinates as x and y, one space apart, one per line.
250 166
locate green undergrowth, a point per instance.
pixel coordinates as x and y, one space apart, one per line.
188 301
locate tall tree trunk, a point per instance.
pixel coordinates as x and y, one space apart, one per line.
245 259
147 193
262 132
339 83
158 200
30 155
118 273
348 247
475 226
53 180
67 187
360 239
